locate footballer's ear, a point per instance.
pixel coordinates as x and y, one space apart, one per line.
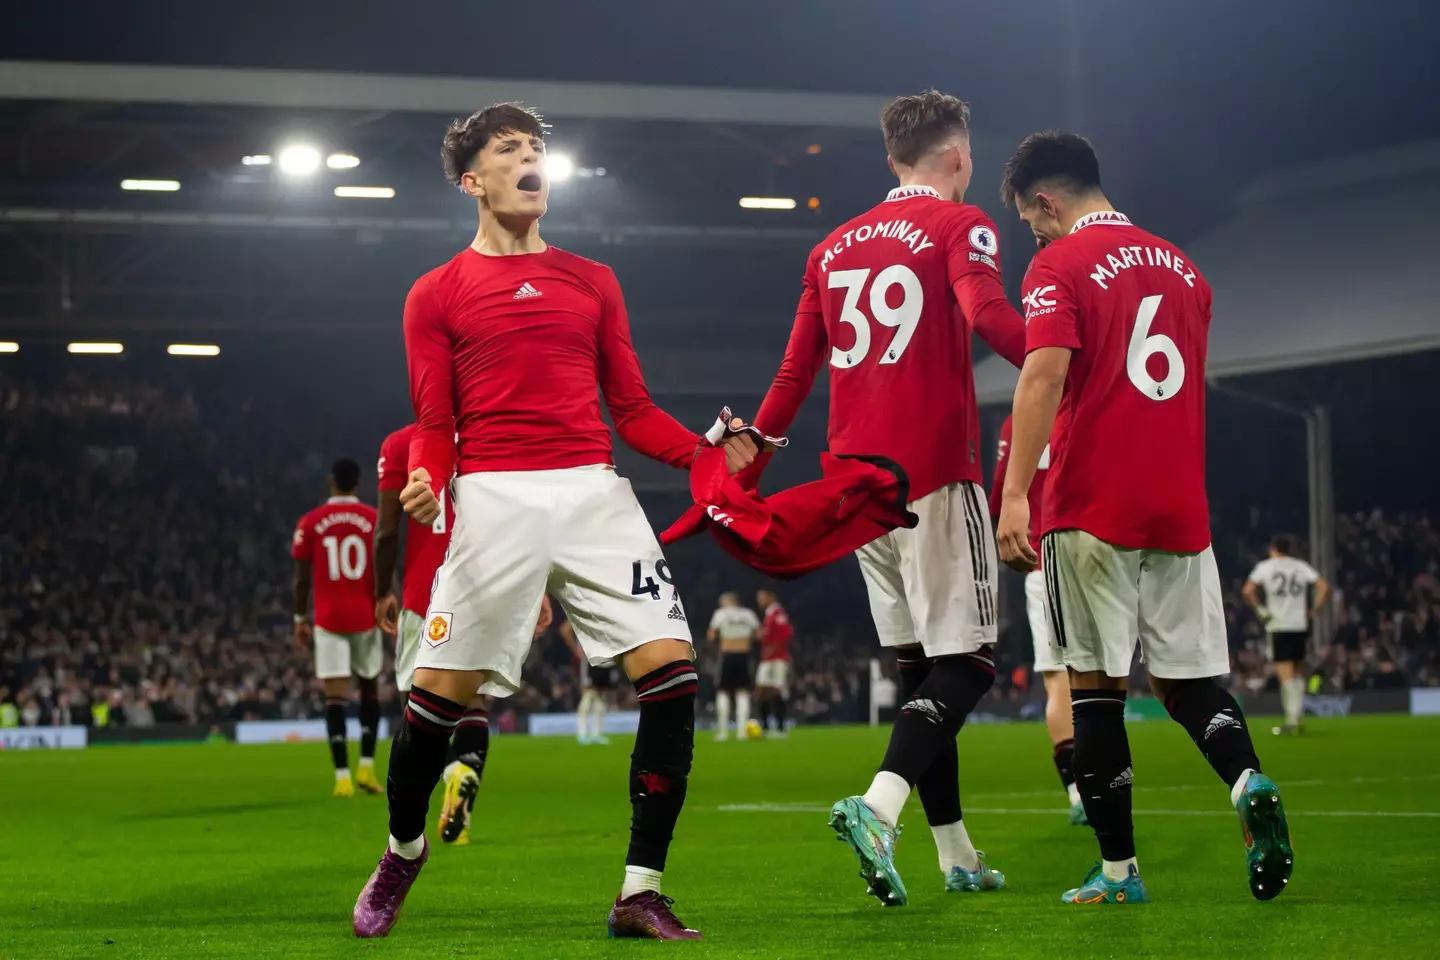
470 183
890 162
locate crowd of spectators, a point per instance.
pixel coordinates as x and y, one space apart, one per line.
144 576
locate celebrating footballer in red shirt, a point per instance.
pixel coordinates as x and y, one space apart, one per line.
510 345
889 302
1114 381
331 550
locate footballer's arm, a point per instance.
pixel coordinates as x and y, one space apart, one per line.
300 601
1037 397
804 356
432 447
387 555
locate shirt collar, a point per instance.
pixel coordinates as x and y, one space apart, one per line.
1099 216
343 500
916 190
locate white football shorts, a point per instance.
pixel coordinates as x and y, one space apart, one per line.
1104 598
578 534
935 585
348 654
1048 657
773 673
407 645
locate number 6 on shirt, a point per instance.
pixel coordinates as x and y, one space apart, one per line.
903 317
1143 347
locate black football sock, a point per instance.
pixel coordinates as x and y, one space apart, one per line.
1214 721
335 732
369 718
417 758
931 717
939 786
472 739
778 708
1065 762
1102 769
660 765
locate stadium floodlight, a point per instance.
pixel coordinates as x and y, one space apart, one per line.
299 160
559 166
9 346
256 160
365 193
155 186
767 203
90 347
342 161
193 350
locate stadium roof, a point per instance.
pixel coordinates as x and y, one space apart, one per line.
1322 264
132 83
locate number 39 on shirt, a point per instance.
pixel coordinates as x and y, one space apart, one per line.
903 317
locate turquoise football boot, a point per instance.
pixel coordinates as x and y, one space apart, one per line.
873 841
961 880
1268 855
1099 888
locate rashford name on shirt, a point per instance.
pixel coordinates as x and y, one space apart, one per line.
335 519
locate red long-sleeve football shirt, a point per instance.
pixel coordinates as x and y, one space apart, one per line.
510 355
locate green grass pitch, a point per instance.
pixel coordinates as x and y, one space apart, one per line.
226 851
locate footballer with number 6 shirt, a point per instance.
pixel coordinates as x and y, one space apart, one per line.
510 345
331 550
1117 321
889 302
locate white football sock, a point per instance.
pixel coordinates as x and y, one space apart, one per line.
342 773
410 850
1117 870
597 715
887 795
582 716
367 763
1239 787
1286 692
1295 709
952 843
1074 793
722 713
638 880
742 712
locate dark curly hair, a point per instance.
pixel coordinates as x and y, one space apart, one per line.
1063 160
467 137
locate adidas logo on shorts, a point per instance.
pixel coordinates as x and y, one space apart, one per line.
1126 778
676 613
1219 721
526 291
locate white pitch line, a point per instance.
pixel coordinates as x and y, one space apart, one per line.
1052 811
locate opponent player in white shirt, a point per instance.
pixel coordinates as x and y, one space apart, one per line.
734 627
1279 590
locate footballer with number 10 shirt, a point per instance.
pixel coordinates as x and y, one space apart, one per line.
1117 321
510 345
331 551
889 302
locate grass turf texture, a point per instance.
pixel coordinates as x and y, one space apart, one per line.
228 851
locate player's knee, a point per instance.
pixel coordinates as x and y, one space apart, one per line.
1175 694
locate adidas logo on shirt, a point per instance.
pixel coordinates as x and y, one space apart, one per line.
526 291
675 612
1219 721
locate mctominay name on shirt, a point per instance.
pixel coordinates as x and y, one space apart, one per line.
334 519
1126 257
903 230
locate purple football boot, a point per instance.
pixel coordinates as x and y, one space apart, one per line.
648 914
379 905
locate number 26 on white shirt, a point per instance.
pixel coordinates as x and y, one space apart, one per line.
1143 347
903 318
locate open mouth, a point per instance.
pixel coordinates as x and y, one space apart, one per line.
530 183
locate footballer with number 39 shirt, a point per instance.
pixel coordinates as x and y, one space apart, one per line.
1117 321
889 303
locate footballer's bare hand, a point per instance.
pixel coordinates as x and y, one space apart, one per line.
302 635
740 448
387 614
1012 535
418 500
